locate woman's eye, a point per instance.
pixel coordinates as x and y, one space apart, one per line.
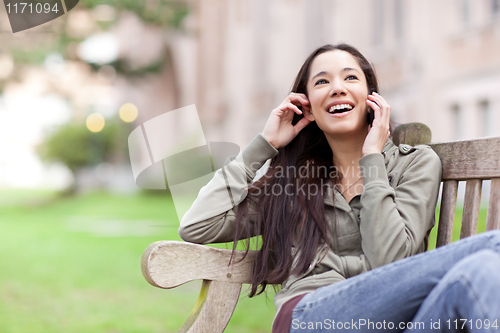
352 76
320 81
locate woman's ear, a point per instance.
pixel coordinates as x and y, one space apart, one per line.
306 110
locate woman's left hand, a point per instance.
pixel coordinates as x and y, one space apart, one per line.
378 132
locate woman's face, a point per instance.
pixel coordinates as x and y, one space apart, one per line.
337 92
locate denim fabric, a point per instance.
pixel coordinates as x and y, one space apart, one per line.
455 288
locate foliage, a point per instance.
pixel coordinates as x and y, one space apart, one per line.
123 68
167 13
34 55
75 146
163 12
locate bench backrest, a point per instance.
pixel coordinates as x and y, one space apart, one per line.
471 161
167 264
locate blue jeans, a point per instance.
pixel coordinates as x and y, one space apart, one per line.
455 288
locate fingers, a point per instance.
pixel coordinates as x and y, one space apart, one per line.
306 108
301 124
298 98
291 102
291 106
380 106
381 102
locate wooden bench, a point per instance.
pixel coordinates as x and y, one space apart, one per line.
167 264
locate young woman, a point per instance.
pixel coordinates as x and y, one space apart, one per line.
339 207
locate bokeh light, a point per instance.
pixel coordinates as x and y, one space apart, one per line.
95 122
128 112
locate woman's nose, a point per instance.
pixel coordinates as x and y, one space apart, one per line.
337 88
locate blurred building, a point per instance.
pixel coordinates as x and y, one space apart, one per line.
437 60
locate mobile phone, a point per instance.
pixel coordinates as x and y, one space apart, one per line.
370 116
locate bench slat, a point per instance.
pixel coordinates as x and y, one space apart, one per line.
493 215
471 207
447 212
469 159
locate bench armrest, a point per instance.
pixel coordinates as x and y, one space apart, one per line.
168 264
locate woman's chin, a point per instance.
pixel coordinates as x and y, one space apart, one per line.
344 129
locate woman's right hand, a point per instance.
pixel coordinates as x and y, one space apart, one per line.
279 130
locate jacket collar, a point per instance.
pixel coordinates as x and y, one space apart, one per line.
389 148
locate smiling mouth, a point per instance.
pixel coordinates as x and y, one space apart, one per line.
340 108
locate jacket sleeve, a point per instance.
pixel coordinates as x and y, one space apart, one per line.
395 221
212 216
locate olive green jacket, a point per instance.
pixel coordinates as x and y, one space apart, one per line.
390 220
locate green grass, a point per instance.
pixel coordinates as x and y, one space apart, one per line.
481 226
73 265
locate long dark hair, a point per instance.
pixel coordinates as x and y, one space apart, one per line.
290 218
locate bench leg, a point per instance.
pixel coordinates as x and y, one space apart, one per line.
213 309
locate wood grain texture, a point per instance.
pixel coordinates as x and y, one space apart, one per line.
470 159
214 308
167 264
493 214
200 303
411 134
471 207
447 212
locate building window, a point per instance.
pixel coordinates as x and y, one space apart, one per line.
458 121
486 117
399 19
494 9
465 12
378 22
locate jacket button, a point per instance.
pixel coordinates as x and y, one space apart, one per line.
359 217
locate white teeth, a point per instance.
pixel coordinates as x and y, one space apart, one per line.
339 107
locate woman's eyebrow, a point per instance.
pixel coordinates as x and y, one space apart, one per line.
349 69
319 74
346 69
